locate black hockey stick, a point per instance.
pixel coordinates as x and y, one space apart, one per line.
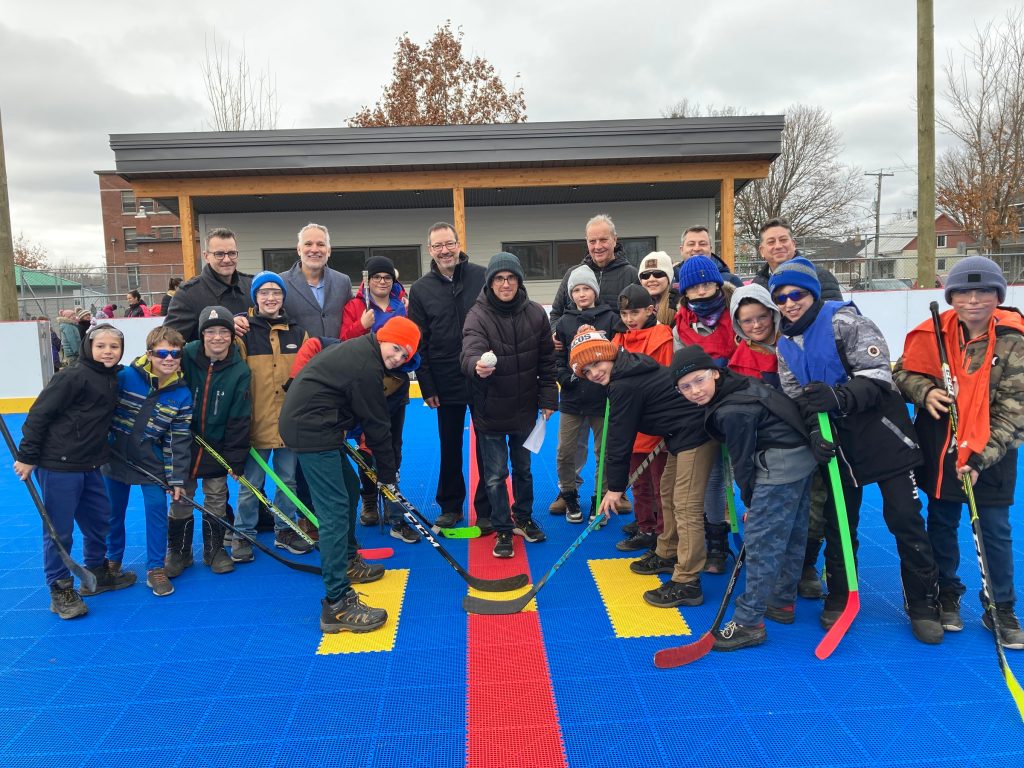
413 516
87 577
251 539
979 542
474 604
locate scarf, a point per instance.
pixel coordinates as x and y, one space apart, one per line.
708 310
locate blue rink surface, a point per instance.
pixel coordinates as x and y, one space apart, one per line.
225 672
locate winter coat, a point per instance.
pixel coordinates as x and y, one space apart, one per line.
70 340
67 425
655 341
221 408
507 401
351 318
830 290
337 389
439 307
611 279
302 307
269 349
577 396
207 290
151 427
643 398
719 342
136 310
165 302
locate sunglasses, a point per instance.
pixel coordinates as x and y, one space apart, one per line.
794 296
163 354
652 273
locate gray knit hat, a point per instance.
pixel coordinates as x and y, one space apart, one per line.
975 272
504 262
583 275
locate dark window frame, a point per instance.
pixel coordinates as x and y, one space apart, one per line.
349 260
556 257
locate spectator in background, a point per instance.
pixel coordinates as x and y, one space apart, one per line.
70 338
172 288
136 306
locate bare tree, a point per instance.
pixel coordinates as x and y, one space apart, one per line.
438 85
686 108
979 181
239 98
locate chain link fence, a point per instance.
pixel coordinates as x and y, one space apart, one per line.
43 293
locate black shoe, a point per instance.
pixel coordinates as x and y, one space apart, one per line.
349 614
107 579
734 636
65 600
503 545
949 612
213 547
715 562
809 586
638 541
927 629
829 616
651 563
573 513
448 520
717 537
783 615
529 530
630 528
369 514
404 532
290 541
361 572
485 525
1010 634
672 593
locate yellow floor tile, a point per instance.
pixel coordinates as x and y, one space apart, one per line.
387 593
622 594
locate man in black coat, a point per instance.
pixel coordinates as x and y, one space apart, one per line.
778 246
438 304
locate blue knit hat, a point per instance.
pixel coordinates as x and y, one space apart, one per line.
262 279
799 272
696 270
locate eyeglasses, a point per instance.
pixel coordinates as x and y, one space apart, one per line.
382 278
450 245
696 383
510 279
758 320
269 292
216 333
794 296
163 354
974 294
223 255
653 273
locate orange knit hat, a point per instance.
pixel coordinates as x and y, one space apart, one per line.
401 331
590 345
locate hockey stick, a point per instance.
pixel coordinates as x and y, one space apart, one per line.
599 478
87 577
412 515
474 604
838 630
667 658
730 498
251 539
979 542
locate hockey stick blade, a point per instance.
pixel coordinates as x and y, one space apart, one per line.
470 532
838 630
380 553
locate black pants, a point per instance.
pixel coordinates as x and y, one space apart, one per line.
451 482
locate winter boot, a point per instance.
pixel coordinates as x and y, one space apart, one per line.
924 620
179 546
369 514
349 614
108 579
573 513
213 547
65 600
717 537
809 586
559 506
1010 634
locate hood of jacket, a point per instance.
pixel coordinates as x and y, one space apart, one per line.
759 294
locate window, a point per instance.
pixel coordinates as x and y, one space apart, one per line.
551 259
350 260
130 244
940 241
133 275
940 264
128 202
161 208
148 203
167 233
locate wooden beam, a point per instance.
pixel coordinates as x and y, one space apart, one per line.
467 179
726 221
459 204
188 236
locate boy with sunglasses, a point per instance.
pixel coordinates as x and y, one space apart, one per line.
834 360
150 430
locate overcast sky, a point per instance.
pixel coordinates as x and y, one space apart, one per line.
71 73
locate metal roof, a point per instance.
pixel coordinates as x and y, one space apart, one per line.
37 279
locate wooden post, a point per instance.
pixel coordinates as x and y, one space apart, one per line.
8 290
925 144
188 236
459 204
726 222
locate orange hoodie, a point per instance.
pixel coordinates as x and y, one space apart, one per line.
654 341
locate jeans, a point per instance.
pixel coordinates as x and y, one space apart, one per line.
451 482
284 463
943 520
69 498
334 486
497 450
154 500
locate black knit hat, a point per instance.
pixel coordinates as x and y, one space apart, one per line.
690 359
504 262
376 265
211 316
635 296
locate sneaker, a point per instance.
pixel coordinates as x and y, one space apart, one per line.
529 530
557 506
485 525
156 579
1010 634
445 520
368 513
785 614
361 572
573 513
241 552
829 616
291 541
949 612
108 580
672 593
404 532
651 563
350 614
309 529
809 586
734 636
927 629
65 600
503 545
638 541
630 528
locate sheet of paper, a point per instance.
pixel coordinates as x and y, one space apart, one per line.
534 442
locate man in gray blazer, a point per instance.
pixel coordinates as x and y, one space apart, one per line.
316 294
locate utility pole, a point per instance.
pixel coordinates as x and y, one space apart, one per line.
925 144
878 207
8 295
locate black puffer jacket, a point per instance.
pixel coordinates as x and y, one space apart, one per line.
611 279
439 307
207 290
830 290
577 395
523 382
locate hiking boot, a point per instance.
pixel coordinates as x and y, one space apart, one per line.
447 520
290 541
369 514
672 593
829 616
558 506
307 527
809 586
630 528
949 612
108 580
734 636
241 551
651 563
485 525
623 506
350 614
716 535
529 530
1010 634
179 546
361 572
503 545
784 614
404 532
65 600
156 579
213 548
573 513
638 541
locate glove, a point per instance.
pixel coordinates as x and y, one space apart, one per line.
822 450
819 397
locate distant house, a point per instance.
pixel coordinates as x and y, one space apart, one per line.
897 248
43 293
